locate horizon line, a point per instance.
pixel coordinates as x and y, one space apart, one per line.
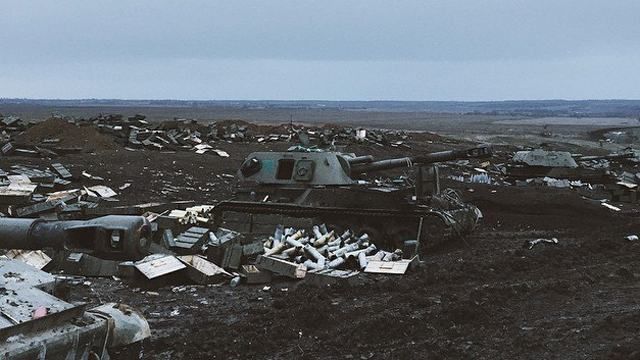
306 100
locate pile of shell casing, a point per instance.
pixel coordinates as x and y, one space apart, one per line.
325 249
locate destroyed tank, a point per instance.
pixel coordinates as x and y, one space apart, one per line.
326 186
560 165
36 324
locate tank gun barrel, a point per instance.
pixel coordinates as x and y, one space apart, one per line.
626 155
360 160
481 151
117 237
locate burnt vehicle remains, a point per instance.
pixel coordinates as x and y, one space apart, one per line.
328 186
37 324
561 165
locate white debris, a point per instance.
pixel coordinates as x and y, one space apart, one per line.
531 243
557 183
103 191
609 206
221 153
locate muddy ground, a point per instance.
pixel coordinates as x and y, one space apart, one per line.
484 297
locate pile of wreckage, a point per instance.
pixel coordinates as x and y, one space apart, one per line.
189 134
186 246
11 125
35 320
171 248
612 177
323 253
618 135
37 324
188 242
28 191
135 132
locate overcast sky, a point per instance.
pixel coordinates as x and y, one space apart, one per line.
333 50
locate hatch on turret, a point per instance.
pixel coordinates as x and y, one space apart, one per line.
295 168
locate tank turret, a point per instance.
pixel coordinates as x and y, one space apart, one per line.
559 165
302 169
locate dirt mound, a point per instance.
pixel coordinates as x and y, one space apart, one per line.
68 134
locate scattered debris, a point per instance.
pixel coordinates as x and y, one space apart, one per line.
32 318
397 267
611 207
154 266
281 267
529 244
36 258
202 271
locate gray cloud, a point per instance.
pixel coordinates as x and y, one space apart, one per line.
418 50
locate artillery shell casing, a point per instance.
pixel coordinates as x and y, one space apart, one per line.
323 250
337 262
279 232
322 240
313 253
362 260
316 231
292 251
297 235
304 240
335 242
353 253
364 237
276 249
313 265
333 248
347 248
294 243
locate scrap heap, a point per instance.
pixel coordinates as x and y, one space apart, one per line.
27 191
322 251
61 135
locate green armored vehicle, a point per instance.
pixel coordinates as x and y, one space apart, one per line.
327 187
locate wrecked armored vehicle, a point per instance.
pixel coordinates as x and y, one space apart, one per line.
554 164
116 237
327 186
35 324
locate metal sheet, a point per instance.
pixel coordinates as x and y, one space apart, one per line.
387 267
37 258
159 266
103 191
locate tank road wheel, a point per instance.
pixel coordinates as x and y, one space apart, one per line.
434 233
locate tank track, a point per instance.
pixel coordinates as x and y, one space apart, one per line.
391 219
